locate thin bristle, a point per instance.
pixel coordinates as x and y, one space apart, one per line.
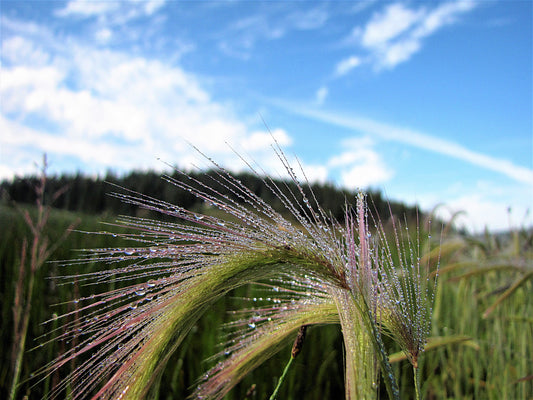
173 271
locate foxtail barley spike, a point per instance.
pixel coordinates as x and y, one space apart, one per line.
314 271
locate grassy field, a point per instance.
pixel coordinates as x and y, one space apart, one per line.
491 357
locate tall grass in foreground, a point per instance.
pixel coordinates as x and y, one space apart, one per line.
316 272
484 358
34 254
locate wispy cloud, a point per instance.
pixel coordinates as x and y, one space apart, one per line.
386 26
321 95
346 65
126 9
415 139
272 22
395 34
113 22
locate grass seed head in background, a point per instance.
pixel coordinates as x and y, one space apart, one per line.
314 271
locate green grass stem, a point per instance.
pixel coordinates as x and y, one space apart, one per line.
281 379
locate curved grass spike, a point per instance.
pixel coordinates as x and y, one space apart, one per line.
315 270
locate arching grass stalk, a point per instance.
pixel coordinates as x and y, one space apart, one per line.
315 270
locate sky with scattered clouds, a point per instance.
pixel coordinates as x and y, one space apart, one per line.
430 102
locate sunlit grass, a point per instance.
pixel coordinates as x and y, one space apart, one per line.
320 272
261 296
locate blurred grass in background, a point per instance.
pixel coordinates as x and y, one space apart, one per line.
493 361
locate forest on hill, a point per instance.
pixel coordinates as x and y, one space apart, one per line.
94 195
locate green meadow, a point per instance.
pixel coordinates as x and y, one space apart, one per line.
481 344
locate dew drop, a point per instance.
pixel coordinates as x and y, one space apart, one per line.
252 325
129 252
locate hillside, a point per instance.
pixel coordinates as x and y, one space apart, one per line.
93 196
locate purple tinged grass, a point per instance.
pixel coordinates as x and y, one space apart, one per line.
33 257
322 272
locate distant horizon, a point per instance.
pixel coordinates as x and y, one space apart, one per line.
370 190
429 103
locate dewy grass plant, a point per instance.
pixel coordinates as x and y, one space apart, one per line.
313 270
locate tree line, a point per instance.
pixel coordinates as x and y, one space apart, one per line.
90 195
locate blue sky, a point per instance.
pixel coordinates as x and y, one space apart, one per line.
430 102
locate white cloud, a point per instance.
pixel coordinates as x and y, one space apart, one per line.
272 22
394 35
108 109
360 165
87 8
443 15
152 6
127 9
321 95
18 49
399 52
386 26
308 19
315 173
260 140
346 65
25 142
488 205
103 35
